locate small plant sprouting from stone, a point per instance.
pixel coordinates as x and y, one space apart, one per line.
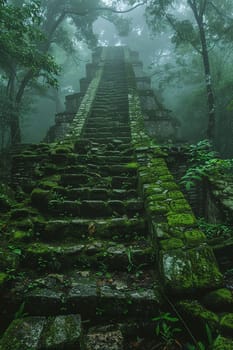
167 331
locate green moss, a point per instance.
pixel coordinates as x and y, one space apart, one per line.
21 235
23 334
227 323
190 270
152 189
48 185
157 197
3 278
173 243
220 299
179 206
19 213
157 208
175 195
62 148
166 178
195 311
170 186
222 343
40 198
194 237
180 219
132 165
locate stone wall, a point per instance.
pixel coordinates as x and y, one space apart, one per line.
187 265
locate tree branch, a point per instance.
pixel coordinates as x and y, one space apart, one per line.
110 9
172 24
203 8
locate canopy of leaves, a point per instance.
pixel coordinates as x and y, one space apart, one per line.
19 37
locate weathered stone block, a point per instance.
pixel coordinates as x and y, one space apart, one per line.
219 300
23 334
189 271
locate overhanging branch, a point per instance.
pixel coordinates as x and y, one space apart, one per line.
110 9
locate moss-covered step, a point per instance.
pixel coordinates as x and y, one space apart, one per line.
103 159
37 333
95 208
98 193
106 134
120 140
190 271
104 338
96 180
99 294
220 300
114 228
111 129
93 253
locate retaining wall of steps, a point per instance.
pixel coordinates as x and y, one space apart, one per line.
187 265
100 238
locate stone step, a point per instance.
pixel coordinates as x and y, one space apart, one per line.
94 295
119 140
37 333
92 123
104 338
103 160
95 193
110 129
95 208
114 228
96 180
92 253
128 169
101 134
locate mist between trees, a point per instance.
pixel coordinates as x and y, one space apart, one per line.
185 45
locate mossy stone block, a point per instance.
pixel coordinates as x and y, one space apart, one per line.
219 300
180 219
23 334
170 244
194 311
4 204
222 343
62 332
189 271
157 197
19 213
159 230
227 323
175 195
157 208
194 237
21 235
151 189
179 206
166 178
169 185
40 198
3 278
132 165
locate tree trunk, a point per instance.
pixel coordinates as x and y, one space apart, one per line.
206 63
208 81
15 129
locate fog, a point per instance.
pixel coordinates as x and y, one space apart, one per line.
171 49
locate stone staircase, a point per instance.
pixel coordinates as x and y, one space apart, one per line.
88 265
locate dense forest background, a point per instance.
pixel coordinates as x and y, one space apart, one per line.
185 45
